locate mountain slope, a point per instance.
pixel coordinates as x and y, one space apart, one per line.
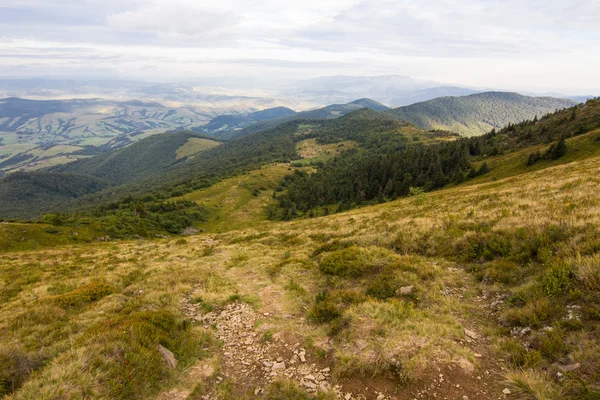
478 113
150 156
235 122
328 112
20 193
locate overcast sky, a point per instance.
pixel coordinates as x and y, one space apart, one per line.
517 44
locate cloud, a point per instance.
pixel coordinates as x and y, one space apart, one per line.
176 20
492 43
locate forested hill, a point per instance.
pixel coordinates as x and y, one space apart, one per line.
479 113
142 160
391 165
574 121
149 175
329 112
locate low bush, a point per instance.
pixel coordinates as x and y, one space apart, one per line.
518 355
15 367
353 262
82 295
383 287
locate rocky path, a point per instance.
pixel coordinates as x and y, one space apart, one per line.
252 360
252 357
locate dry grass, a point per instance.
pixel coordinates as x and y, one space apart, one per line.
533 385
277 266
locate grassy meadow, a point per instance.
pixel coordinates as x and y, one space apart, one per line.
494 285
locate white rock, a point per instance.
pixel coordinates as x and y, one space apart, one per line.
278 366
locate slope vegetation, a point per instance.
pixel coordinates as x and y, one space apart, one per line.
468 291
141 160
479 113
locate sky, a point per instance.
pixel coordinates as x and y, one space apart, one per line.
527 45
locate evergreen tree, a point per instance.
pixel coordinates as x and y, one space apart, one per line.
559 150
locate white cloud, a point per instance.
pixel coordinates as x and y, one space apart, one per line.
491 43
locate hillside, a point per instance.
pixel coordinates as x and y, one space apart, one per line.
137 162
329 112
473 291
41 133
479 113
234 122
20 193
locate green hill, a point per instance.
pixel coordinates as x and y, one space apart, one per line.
142 160
33 193
329 112
478 113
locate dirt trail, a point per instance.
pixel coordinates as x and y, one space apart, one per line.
251 357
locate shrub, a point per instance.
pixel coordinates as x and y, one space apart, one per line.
587 270
383 287
518 355
325 311
15 367
484 246
287 390
557 279
332 246
552 344
534 313
503 271
125 350
354 262
330 306
82 295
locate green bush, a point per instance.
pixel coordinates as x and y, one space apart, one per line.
125 352
330 306
504 271
325 311
82 295
552 344
286 390
535 313
557 279
353 262
518 355
383 287
15 367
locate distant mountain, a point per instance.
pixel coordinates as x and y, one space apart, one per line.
272 113
582 99
234 122
39 133
328 112
479 113
395 90
422 95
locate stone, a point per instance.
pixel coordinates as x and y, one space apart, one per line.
380 397
278 366
361 344
506 391
570 367
470 334
168 357
309 385
406 289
